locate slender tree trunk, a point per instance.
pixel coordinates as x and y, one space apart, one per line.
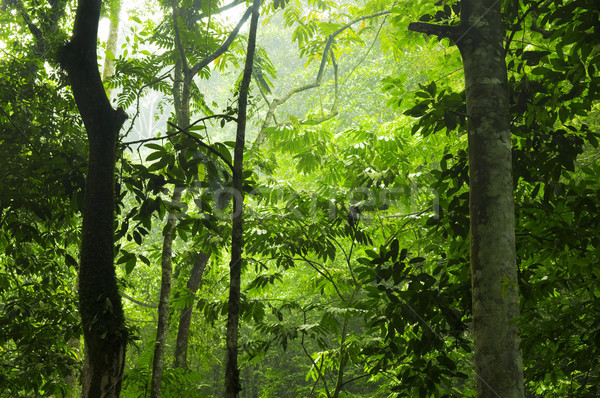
111 45
182 85
181 94
99 300
232 372
164 301
498 363
185 319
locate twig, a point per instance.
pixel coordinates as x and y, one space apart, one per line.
148 139
196 68
226 7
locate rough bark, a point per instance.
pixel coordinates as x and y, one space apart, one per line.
185 319
99 300
479 37
232 372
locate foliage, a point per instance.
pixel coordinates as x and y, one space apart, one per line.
356 277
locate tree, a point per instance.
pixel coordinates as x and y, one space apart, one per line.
104 331
479 37
182 89
232 372
354 276
185 318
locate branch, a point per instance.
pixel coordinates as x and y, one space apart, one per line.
182 131
35 31
148 139
196 68
366 54
520 21
178 43
201 143
229 118
138 302
325 274
318 368
276 102
226 7
454 33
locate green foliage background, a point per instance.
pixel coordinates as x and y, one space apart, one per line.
356 275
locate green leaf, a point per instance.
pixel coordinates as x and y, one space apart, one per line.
70 261
155 146
155 155
201 172
394 247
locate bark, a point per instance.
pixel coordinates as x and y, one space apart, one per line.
182 100
100 306
111 46
164 301
185 319
182 85
498 362
232 372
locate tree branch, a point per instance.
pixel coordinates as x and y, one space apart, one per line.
196 68
226 7
178 43
139 93
138 302
124 144
35 31
324 57
454 33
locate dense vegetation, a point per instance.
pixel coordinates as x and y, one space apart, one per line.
328 161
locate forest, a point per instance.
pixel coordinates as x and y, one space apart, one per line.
300 198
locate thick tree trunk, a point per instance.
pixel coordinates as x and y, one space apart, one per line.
185 319
498 363
232 372
99 300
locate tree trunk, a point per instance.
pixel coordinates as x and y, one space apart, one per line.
181 98
232 372
111 44
183 80
181 95
164 301
99 300
498 363
185 319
